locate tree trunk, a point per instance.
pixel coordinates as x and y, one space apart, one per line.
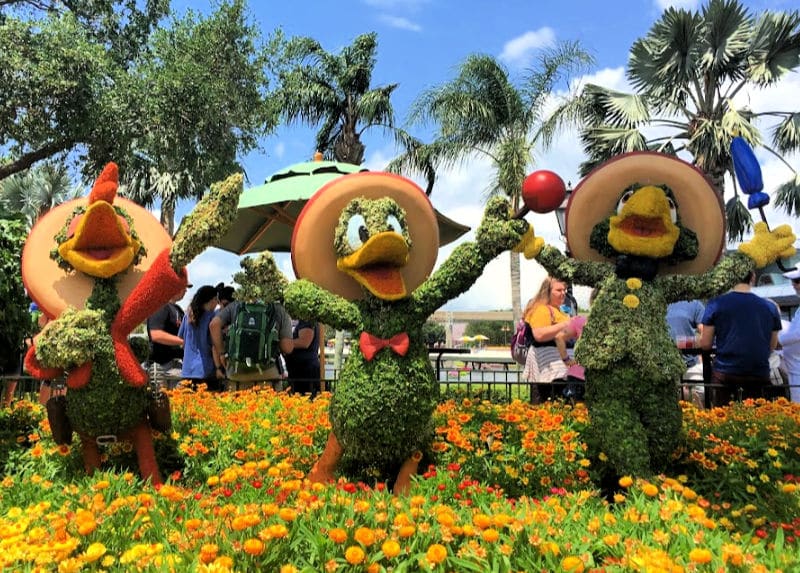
28 159
516 301
168 216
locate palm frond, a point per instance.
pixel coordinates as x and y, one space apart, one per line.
738 220
786 135
725 39
787 196
774 47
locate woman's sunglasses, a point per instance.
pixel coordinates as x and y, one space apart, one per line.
796 281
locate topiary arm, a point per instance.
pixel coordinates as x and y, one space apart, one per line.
497 232
588 273
304 299
720 278
207 223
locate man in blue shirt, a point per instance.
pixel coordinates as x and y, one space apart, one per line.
744 328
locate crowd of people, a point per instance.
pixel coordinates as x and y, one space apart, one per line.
756 354
192 345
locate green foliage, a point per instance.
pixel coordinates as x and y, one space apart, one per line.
38 190
499 332
685 72
15 322
187 98
333 91
433 333
17 423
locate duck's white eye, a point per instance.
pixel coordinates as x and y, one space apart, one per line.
622 200
394 224
357 232
673 210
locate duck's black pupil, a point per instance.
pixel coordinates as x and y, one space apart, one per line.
363 234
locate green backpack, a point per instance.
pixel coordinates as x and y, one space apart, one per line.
252 340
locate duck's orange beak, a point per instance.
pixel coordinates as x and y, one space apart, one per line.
377 264
99 242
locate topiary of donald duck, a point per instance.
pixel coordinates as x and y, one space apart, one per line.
112 266
363 248
647 230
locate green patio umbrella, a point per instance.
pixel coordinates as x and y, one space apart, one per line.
267 213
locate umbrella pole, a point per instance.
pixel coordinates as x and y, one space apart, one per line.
321 357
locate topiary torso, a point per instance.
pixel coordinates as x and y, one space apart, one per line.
106 405
381 409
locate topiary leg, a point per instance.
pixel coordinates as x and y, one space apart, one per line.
409 468
324 468
91 454
142 440
662 419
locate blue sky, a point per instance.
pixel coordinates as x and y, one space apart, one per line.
420 44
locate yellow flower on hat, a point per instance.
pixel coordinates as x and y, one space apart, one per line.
633 283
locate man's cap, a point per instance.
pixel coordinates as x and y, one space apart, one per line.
189 285
792 275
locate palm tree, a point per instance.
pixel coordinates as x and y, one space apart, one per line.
685 73
35 191
333 91
481 112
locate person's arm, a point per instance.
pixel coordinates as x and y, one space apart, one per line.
165 338
561 345
773 341
707 337
285 342
541 323
305 336
217 347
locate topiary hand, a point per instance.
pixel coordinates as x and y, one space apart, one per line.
530 245
72 339
260 279
499 231
767 246
207 223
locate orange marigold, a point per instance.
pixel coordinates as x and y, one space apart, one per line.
572 563
253 546
390 548
365 536
354 555
436 553
700 555
337 535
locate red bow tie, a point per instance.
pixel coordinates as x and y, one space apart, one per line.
370 344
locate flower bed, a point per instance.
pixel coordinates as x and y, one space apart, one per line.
512 490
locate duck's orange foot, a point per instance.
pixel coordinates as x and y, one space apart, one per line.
324 468
403 483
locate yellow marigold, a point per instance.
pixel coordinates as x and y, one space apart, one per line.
631 301
208 552
354 555
732 554
288 569
700 556
626 481
337 535
278 531
490 535
417 501
94 552
365 536
436 553
611 539
789 488
101 485
287 514
650 490
254 547
572 563
633 283
390 548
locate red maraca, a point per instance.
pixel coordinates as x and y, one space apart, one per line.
542 192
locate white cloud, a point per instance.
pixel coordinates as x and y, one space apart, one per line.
400 23
280 150
516 52
662 5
